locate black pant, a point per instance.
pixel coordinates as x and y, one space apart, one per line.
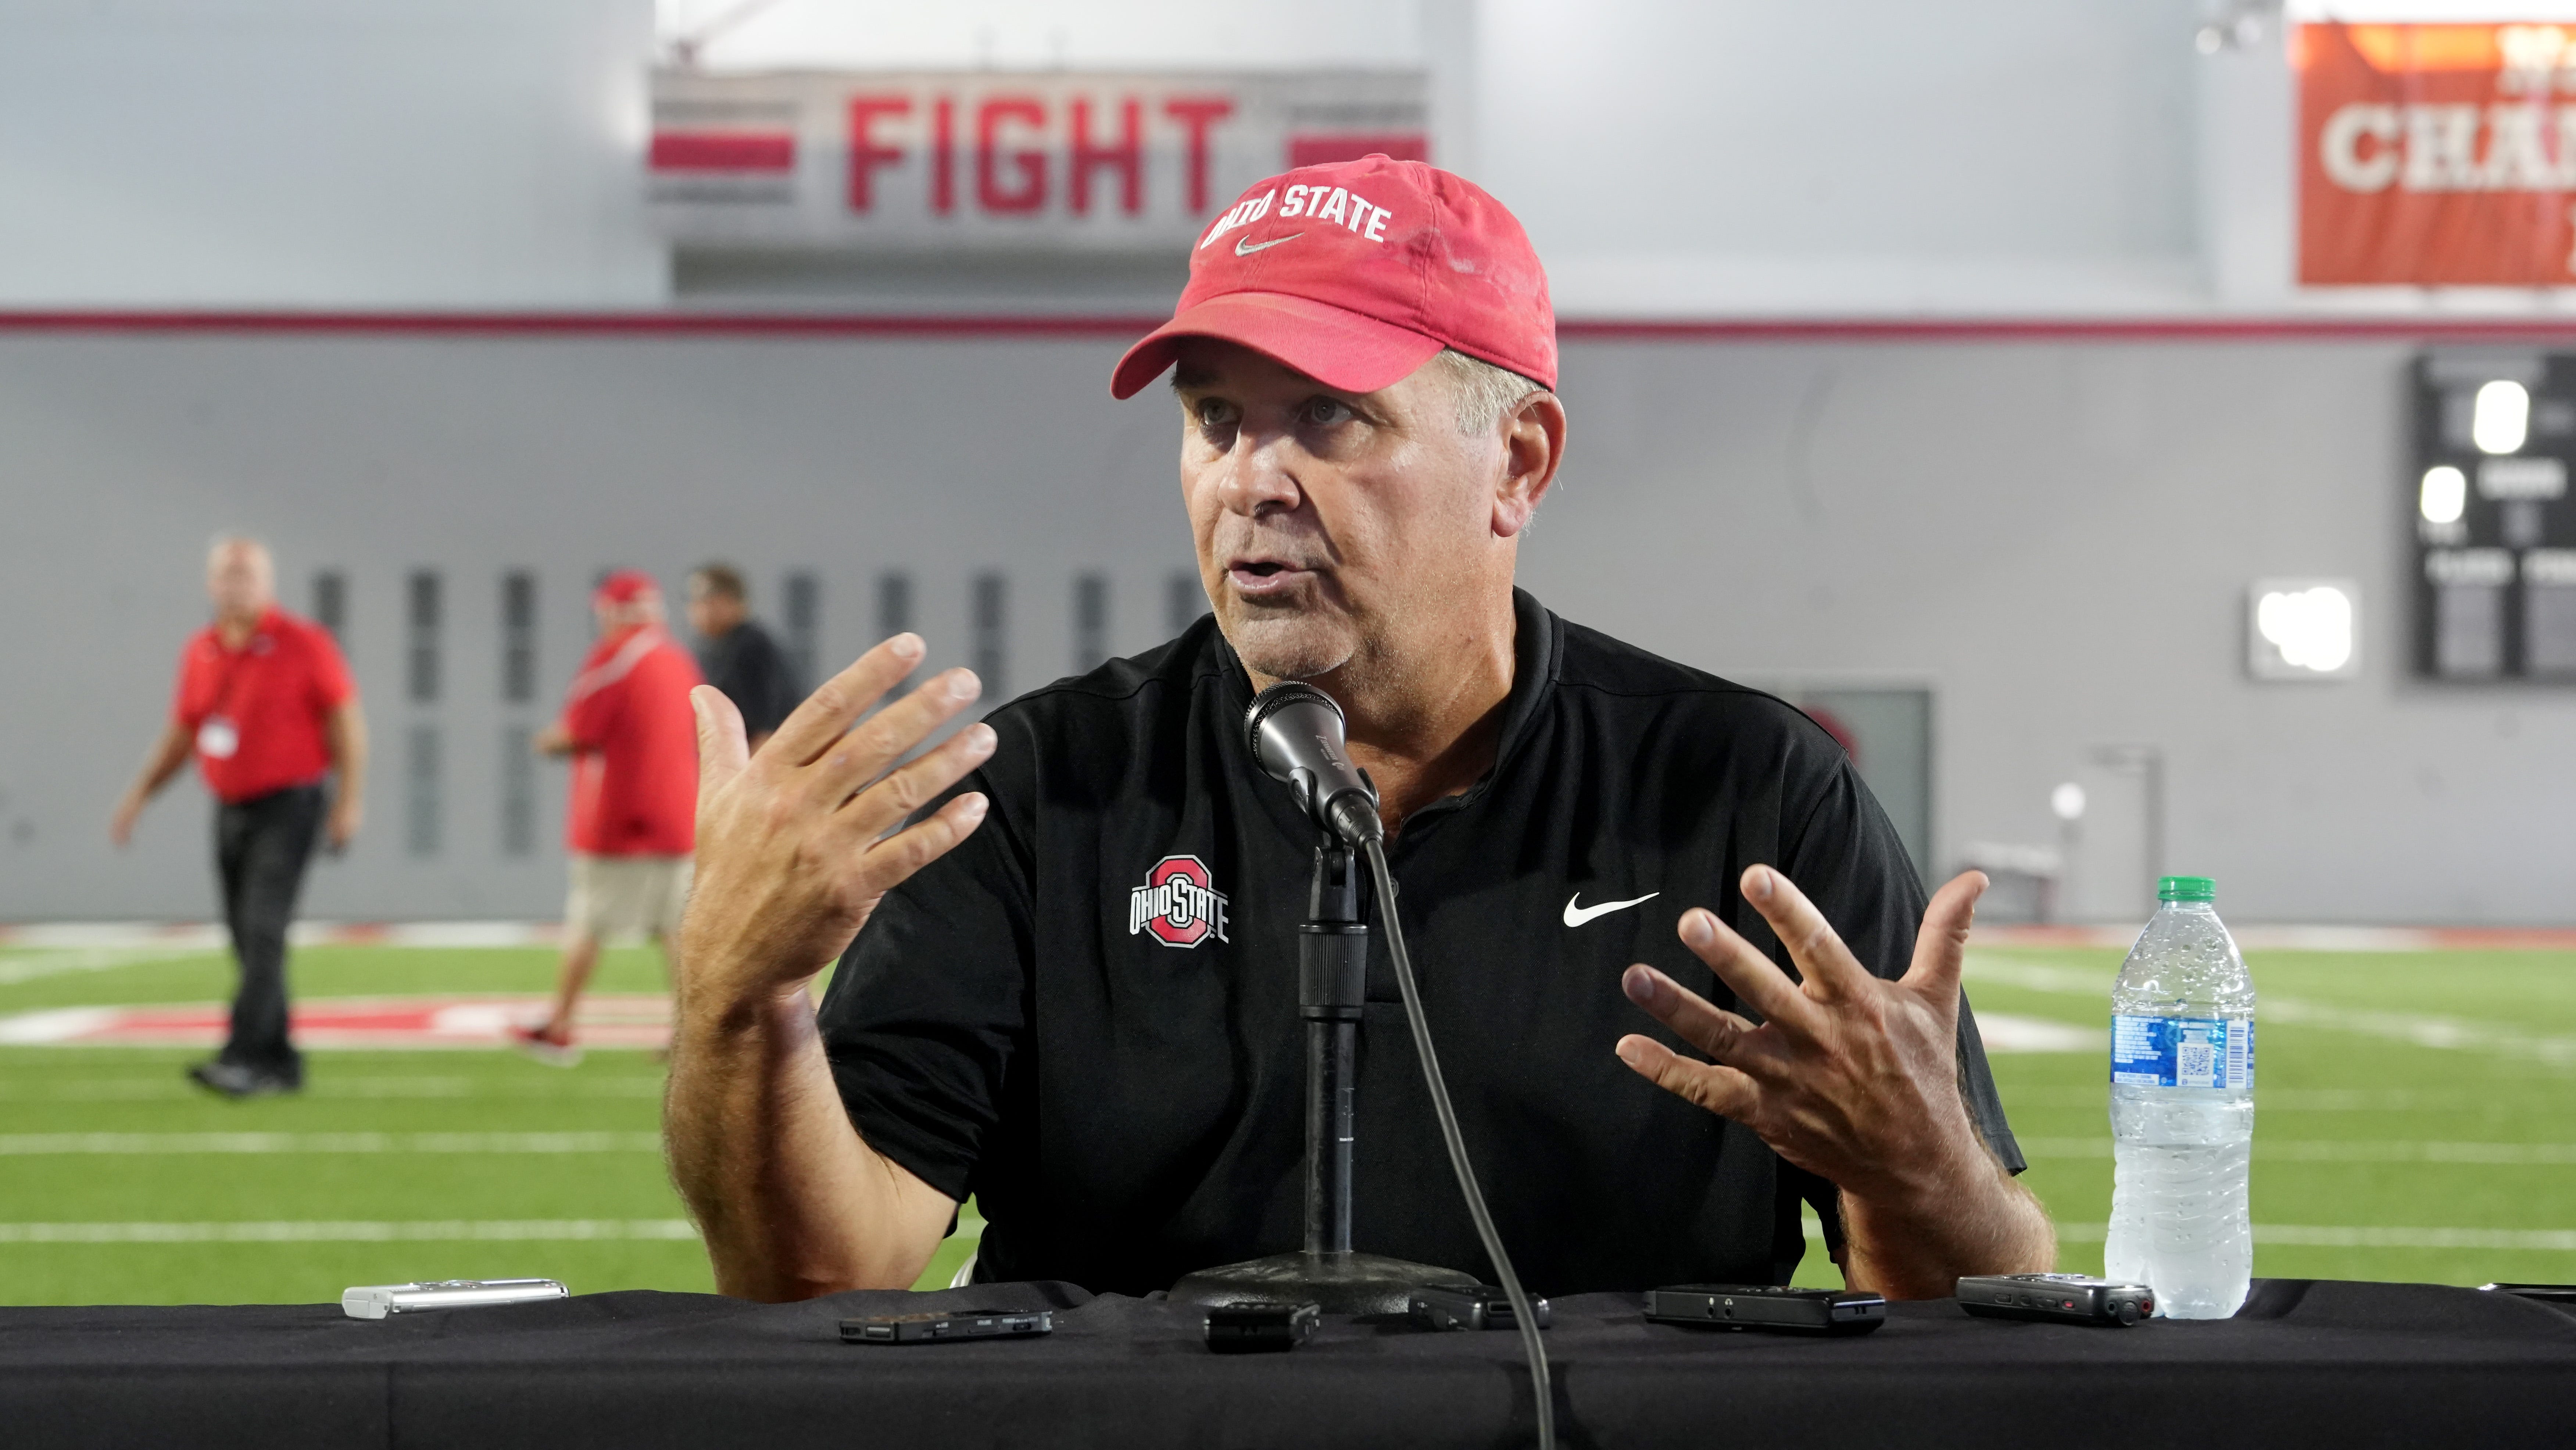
261 849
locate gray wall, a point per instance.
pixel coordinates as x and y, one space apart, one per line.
2055 537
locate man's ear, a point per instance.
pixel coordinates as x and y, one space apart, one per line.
1533 448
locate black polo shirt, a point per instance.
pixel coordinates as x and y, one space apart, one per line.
1086 1014
753 672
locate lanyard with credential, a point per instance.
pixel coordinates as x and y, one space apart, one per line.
219 737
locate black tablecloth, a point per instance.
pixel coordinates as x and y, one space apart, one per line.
2305 1363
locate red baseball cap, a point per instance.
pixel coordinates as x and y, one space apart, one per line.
624 586
1359 272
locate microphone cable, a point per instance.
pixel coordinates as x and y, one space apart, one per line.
1523 1319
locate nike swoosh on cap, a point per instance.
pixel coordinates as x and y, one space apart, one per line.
1576 914
1246 246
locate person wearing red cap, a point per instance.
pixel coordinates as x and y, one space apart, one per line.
266 706
627 726
1069 990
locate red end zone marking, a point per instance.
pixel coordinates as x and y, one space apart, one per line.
394 1023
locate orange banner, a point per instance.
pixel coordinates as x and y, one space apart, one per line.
2437 155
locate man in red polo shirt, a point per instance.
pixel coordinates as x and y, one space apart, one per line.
632 736
266 705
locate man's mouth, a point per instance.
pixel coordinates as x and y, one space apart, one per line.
1256 577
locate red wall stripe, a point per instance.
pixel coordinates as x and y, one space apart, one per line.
722 151
680 322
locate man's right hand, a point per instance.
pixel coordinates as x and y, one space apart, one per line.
120 826
792 847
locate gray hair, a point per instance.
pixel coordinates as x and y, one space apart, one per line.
1485 392
224 543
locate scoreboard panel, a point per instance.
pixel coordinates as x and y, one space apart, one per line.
2495 539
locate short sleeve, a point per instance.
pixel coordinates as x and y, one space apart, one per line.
332 686
925 1018
590 715
1847 858
187 707
770 687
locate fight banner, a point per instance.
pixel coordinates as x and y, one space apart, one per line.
2436 155
929 162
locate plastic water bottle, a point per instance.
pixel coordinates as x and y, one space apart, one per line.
2182 1109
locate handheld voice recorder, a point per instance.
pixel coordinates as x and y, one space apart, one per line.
1769 1308
946 1326
375 1301
1437 1306
1260 1328
2056 1298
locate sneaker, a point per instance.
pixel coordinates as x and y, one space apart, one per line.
545 1046
232 1080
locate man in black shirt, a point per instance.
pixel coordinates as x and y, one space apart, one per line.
737 655
1084 1012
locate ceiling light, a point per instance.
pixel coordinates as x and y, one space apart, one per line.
2445 494
2502 419
2305 629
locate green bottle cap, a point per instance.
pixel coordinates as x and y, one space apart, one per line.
2186 888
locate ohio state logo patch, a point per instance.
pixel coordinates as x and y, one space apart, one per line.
1178 904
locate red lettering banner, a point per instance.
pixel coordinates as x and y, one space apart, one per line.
929 161
2436 155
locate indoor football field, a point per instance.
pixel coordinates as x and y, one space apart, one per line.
2415 1122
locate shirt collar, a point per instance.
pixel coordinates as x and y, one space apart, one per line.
266 624
1535 651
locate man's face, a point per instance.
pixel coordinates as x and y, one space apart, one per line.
1333 528
644 608
711 612
239 580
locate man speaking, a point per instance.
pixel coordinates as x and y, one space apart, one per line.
1071 989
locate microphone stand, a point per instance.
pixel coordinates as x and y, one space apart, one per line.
1332 989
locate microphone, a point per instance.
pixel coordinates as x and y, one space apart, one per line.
1296 733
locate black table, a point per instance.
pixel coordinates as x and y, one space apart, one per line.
2309 1363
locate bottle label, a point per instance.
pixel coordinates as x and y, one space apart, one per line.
2186 1052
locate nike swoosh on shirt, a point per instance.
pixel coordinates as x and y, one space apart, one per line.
1246 246
1576 914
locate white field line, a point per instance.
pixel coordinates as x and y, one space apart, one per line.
2453 1033
2006 1032
2341 1236
174 1088
34 966
359 1231
2335 1151
39 1029
31 1145
2284 1100
209 935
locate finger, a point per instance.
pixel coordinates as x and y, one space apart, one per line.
886 804
893 860
1721 1090
1703 1025
1941 947
866 753
1832 973
812 727
721 751
1754 978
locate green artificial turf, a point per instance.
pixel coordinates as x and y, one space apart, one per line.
2346 1083
2336 1078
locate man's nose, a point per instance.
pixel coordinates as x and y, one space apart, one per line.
1257 473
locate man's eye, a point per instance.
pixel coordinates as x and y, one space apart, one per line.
1214 413
1327 410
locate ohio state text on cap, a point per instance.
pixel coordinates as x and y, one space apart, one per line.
1359 272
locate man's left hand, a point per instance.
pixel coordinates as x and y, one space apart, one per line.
1851 1077
343 825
